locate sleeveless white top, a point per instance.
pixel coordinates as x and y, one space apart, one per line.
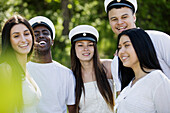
31 96
93 101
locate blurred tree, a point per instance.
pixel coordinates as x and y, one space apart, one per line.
66 14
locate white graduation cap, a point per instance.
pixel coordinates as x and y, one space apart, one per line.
41 20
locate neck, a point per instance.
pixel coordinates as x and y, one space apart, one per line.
139 73
86 66
39 57
22 59
88 73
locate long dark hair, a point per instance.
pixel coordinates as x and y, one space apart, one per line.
145 52
8 55
100 74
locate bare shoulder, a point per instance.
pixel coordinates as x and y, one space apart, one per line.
107 65
5 70
106 62
5 67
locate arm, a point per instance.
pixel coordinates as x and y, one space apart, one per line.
7 98
71 108
71 93
161 42
107 65
161 96
112 66
114 70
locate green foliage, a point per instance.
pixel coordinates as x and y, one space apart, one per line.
151 14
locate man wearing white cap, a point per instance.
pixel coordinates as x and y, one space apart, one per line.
56 82
122 16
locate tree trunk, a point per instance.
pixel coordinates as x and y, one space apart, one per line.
66 16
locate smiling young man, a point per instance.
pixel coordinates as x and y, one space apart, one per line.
56 82
122 16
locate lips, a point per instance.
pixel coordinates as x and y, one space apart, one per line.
124 58
86 54
42 43
23 45
121 28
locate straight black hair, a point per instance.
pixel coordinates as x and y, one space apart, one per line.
100 74
145 52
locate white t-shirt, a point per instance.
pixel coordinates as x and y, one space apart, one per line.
161 42
149 94
57 85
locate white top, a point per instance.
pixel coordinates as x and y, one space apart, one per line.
161 42
93 101
31 96
149 94
57 85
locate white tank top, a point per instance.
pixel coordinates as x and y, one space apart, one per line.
93 101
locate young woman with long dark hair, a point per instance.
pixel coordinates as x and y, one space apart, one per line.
94 91
21 92
147 88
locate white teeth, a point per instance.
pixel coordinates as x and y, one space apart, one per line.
23 45
124 58
42 42
121 28
86 54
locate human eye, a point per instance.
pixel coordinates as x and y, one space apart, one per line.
127 45
124 16
46 33
27 33
113 19
79 45
90 44
36 34
15 36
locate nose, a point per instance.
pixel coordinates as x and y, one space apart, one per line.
86 48
41 35
23 38
122 50
119 21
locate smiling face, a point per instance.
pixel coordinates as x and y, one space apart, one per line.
121 19
21 39
84 50
127 53
43 40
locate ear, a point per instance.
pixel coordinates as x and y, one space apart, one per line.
52 42
134 17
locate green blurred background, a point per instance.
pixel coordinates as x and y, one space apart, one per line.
66 14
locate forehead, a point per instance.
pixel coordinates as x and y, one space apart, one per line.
83 41
123 39
40 28
120 11
19 28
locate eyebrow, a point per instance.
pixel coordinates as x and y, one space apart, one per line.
124 42
122 15
42 30
18 32
45 30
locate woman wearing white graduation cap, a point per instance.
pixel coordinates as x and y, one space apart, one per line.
94 91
